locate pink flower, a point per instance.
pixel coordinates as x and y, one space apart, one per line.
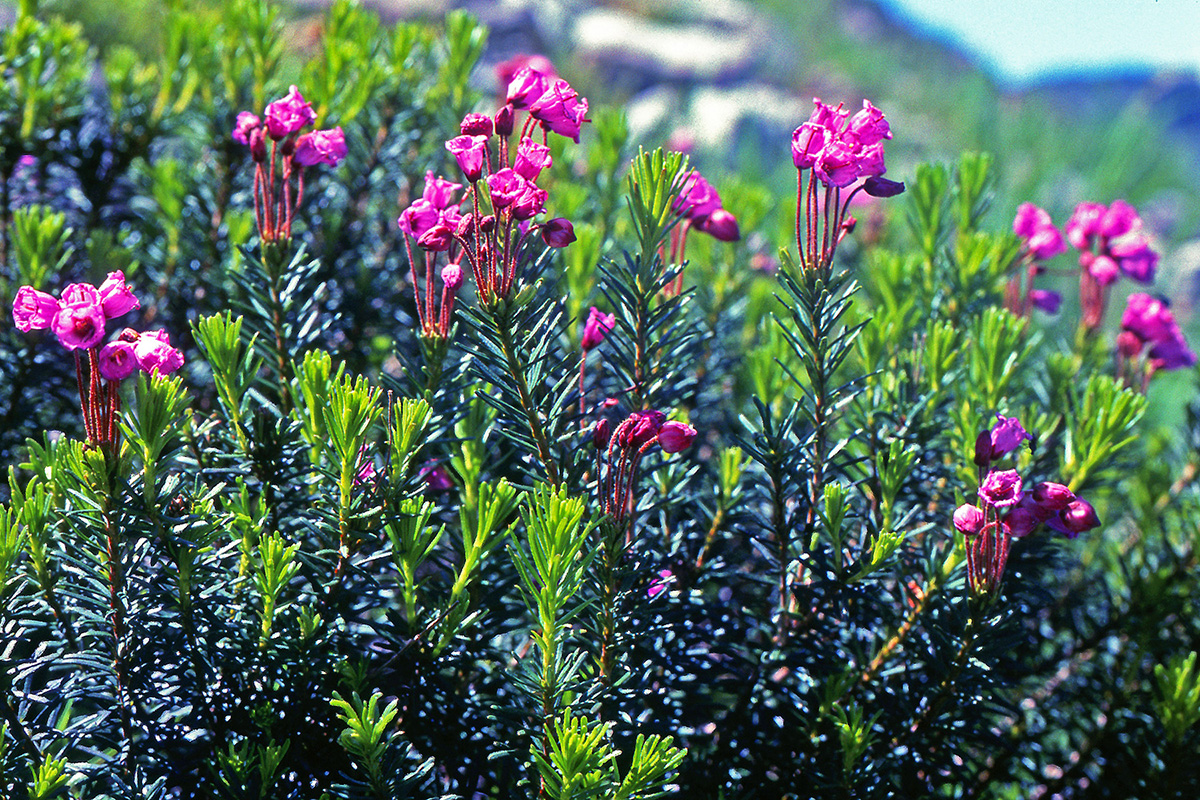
33 310
288 115
597 327
532 158
870 161
437 239
440 193
155 354
504 120
721 225
471 154
436 478
321 147
1149 318
117 360
1084 225
868 126
640 428
837 164
452 276
1103 269
79 322
807 142
1173 353
1029 220
675 437
1078 517
116 297
1118 220
1045 300
505 187
1001 488
531 203
1045 243
474 124
418 218
558 232
507 70
527 87
1135 258
829 117
246 122
697 198
968 519
601 434
560 109
1007 435
1052 496
659 584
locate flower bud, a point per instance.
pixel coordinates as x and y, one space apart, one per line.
504 121
968 519
452 276
882 187
558 232
1053 496
476 125
258 145
487 223
675 437
465 223
983 449
601 434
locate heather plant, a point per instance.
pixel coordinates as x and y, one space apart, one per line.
458 464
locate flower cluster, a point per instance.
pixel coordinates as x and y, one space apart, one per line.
1111 242
504 193
431 222
621 451
700 206
842 152
79 318
1150 340
291 147
1005 509
1040 241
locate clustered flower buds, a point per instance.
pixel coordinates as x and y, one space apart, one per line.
1150 340
1006 507
503 192
1040 241
842 152
622 451
78 318
432 221
1112 242
283 124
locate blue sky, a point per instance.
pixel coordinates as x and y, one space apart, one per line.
1022 39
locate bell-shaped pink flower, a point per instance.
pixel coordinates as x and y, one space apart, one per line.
288 115
1078 517
440 193
721 225
531 203
117 360
597 327
1148 317
1001 488
1030 219
833 118
837 164
1104 269
1045 243
437 239
532 158
321 147
33 310
505 186
116 297
527 87
560 109
246 122
418 218
807 143
558 232
675 437
436 478
697 198
1135 258
870 161
475 124
1007 435
471 154
1119 219
79 322
868 126
1084 225
968 519
155 354
640 428
507 70
1052 496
